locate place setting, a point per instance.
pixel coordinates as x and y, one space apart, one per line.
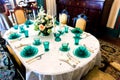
64 47
29 51
81 52
69 59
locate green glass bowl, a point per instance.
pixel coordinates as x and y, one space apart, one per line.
29 51
14 36
81 52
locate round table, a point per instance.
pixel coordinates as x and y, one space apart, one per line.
51 66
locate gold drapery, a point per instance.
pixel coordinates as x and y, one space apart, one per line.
51 7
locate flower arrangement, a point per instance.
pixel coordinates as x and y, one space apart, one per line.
43 23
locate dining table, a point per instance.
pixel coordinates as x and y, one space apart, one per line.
56 63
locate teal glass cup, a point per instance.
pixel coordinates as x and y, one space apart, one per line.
26 33
46 46
27 26
57 37
77 35
37 41
15 27
65 46
22 29
66 29
76 39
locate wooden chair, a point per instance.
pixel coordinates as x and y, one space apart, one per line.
19 15
80 21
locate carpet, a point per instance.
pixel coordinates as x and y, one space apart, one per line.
110 53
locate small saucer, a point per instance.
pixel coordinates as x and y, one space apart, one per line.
36 44
62 49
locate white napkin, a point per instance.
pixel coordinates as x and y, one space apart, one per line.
21 44
69 60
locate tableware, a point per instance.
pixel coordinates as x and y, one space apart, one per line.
28 22
27 26
14 35
57 37
76 31
73 58
76 40
15 27
26 33
37 41
35 58
46 45
29 51
66 29
65 47
61 32
77 35
81 52
22 29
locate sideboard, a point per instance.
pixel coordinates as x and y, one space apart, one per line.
93 9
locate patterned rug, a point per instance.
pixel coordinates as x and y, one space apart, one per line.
110 53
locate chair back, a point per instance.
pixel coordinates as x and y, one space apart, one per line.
19 15
80 21
64 17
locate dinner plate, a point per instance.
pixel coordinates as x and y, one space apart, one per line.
29 51
81 52
36 44
62 49
14 36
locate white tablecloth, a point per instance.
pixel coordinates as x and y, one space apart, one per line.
49 67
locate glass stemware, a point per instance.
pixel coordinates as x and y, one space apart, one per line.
57 37
46 45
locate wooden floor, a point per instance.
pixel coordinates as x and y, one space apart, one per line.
111 39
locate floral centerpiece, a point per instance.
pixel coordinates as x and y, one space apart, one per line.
44 23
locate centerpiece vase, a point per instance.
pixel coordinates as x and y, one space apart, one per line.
45 32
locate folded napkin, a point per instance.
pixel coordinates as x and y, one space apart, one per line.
67 58
18 45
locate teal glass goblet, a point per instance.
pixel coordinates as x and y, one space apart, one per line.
65 46
22 29
57 37
66 29
77 35
46 45
26 33
37 41
76 39
15 27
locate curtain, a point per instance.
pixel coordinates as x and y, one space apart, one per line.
113 14
51 7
